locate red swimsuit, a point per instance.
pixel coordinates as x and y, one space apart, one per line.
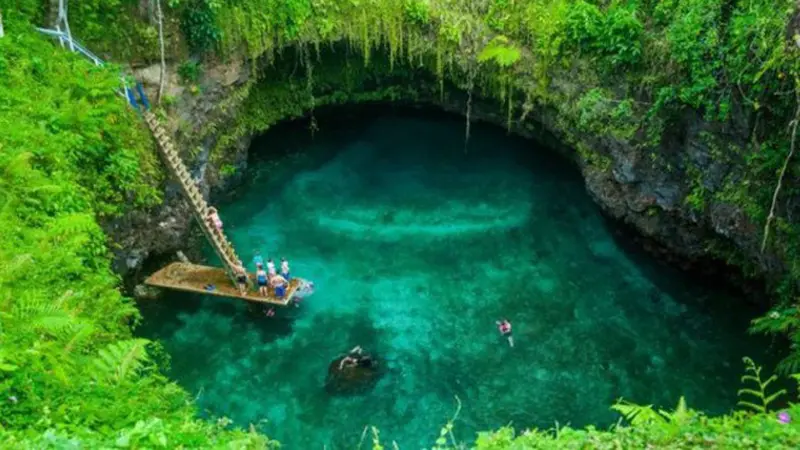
505 327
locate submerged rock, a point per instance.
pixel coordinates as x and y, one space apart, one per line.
145 292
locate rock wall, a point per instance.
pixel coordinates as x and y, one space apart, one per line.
628 186
146 239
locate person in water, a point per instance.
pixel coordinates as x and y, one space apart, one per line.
504 326
279 284
354 358
261 279
285 269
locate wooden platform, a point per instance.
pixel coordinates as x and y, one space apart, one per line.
193 278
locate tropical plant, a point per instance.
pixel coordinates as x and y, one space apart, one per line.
759 392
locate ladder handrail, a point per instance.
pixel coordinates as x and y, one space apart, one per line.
217 238
76 46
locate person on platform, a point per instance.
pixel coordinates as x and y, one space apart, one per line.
271 272
285 269
241 278
279 284
504 326
261 279
258 260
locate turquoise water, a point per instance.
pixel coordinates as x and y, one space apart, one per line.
416 248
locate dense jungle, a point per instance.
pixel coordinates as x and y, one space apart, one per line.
681 117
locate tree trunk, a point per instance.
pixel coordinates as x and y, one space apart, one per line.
160 17
1 24
148 10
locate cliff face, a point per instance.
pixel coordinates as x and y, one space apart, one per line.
655 189
148 238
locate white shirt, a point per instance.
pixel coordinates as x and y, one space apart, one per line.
271 267
284 266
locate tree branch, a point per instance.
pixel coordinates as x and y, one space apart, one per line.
771 216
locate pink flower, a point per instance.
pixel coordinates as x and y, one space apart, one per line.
783 417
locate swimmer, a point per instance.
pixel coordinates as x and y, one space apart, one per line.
348 361
504 326
352 359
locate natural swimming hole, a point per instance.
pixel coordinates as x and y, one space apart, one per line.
416 248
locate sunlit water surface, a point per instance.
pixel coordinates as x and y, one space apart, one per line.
416 248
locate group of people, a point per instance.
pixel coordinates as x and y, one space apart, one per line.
264 278
270 277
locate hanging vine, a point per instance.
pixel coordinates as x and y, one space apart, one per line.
793 126
510 104
305 52
471 73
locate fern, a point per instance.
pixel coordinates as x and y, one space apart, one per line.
790 364
645 414
500 51
637 414
762 399
121 360
681 415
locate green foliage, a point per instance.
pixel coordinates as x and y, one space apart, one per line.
107 27
120 361
759 392
198 22
681 428
783 320
601 115
625 70
499 51
614 36
190 71
71 374
418 11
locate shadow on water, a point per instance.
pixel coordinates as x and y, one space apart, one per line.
167 315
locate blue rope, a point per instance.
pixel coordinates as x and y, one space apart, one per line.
131 98
142 96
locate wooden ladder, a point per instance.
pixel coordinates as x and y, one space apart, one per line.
222 246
